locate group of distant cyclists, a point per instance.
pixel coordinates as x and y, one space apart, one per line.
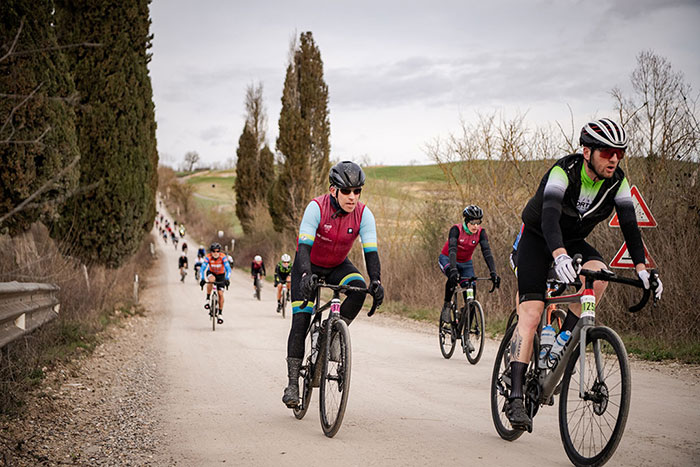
578 192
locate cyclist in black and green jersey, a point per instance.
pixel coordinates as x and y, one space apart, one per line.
283 273
576 194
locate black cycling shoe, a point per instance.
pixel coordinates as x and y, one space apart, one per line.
445 314
517 415
206 306
219 320
291 396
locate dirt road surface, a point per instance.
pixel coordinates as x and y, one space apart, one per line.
407 406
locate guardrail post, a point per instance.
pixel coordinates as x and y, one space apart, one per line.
87 279
233 244
136 289
153 249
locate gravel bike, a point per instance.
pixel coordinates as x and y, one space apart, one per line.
328 362
284 299
467 324
592 378
258 286
214 310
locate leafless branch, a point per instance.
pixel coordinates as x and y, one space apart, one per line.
43 188
14 42
66 196
8 120
72 99
34 141
56 47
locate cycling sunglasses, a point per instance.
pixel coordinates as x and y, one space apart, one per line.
607 153
474 222
216 251
347 191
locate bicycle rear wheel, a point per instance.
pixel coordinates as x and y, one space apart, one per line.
335 379
591 427
500 389
448 338
474 333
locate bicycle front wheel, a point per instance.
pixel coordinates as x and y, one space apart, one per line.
257 289
473 335
284 303
214 308
335 380
500 389
591 426
447 337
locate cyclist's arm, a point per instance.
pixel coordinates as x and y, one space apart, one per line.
554 190
277 274
628 223
368 237
307 235
486 251
205 266
252 268
227 266
262 267
452 242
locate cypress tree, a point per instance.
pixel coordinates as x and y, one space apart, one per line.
292 189
266 172
313 101
246 178
116 127
36 108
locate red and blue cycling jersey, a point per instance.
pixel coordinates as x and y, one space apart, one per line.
216 265
331 234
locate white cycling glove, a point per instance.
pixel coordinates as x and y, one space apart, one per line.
564 267
644 276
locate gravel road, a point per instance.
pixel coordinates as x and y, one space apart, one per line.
166 390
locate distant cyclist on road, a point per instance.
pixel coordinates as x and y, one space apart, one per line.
328 230
576 194
456 257
182 264
201 253
283 274
257 267
215 268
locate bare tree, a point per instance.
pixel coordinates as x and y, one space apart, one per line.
191 159
256 116
659 116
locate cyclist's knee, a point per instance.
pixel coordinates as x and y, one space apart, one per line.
529 312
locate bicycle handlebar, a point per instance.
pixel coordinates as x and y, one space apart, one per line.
474 279
609 276
344 289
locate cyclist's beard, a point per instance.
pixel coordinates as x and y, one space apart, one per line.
595 172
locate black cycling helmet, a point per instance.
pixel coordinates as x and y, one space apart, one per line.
603 133
472 212
215 246
346 174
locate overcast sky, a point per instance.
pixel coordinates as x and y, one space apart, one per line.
401 73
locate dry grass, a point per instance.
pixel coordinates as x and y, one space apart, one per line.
85 309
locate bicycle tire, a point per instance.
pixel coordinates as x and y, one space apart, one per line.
335 378
512 318
446 332
500 389
474 332
284 303
306 390
257 289
214 308
609 396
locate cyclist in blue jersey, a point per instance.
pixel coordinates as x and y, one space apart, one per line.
576 194
330 225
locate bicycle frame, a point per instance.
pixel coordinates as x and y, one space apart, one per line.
549 380
467 290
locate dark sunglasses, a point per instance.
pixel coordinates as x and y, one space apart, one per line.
607 153
347 191
216 251
474 222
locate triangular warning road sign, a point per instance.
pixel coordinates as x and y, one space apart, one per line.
641 210
623 260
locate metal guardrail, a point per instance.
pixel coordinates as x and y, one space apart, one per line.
24 306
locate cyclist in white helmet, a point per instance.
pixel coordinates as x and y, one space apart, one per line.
283 273
257 267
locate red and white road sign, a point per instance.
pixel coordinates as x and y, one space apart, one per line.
623 260
641 210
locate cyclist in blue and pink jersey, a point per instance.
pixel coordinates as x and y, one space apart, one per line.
330 226
215 268
456 256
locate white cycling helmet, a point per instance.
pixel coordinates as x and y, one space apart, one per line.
257 258
603 133
286 258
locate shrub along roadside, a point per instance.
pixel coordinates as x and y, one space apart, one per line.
85 312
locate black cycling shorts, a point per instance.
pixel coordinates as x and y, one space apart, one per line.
220 279
534 262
